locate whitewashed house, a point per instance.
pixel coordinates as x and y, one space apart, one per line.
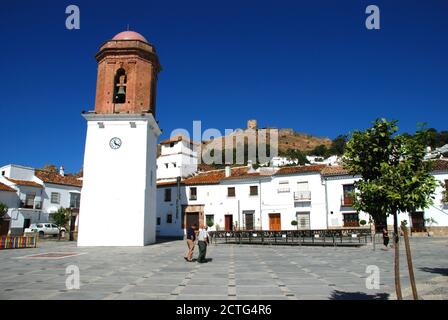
316 196
38 194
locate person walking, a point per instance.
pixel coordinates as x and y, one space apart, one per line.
191 238
203 241
385 238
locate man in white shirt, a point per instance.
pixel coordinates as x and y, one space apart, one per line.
203 241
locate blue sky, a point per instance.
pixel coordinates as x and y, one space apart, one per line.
309 65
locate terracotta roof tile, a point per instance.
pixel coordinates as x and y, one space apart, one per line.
56 178
208 177
25 183
301 169
334 171
4 187
176 139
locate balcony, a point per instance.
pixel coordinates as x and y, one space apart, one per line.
302 196
31 204
347 201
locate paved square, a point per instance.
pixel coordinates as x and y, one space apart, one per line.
233 272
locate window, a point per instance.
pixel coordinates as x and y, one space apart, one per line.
351 220
29 200
172 144
174 164
3 173
166 165
75 199
169 218
193 193
168 195
347 199
55 197
231 192
158 221
209 219
283 186
253 191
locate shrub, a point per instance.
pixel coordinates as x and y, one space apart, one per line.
363 222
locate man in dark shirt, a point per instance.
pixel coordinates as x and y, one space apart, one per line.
191 238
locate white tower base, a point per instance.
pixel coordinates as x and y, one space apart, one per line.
118 199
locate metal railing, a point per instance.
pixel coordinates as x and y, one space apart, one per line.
283 190
302 196
321 237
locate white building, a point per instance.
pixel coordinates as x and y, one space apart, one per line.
37 195
316 196
178 158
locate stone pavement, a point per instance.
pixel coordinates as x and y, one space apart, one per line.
234 272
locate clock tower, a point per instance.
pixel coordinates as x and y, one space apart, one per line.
118 200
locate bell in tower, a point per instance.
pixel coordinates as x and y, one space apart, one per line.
128 67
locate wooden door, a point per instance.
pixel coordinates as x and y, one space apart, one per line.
228 222
275 222
249 221
418 222
191 219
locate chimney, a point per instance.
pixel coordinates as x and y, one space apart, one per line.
61 171
228 171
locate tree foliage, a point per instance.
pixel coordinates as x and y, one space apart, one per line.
3 210
61 217
394 176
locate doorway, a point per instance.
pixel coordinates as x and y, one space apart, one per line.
228 219
26 223
191 219
249 220
275 222
303 221
418 222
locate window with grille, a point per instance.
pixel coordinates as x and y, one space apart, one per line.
231 192
253 190
55 197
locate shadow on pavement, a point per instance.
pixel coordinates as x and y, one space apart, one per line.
343 295
442 271
167 239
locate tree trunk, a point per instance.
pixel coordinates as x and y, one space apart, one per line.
397 259
409 259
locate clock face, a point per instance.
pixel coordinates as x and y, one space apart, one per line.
115 143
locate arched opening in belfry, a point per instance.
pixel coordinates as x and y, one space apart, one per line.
120 86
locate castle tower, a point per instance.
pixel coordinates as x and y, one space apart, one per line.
118 200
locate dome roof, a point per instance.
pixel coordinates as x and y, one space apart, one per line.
129 35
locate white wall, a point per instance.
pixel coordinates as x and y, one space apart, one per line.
18 172
181 160
64 192
118 199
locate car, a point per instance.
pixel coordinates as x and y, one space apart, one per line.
45 229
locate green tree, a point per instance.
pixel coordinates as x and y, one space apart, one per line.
61 218
338 145
320 151
394 176
3 210
296 155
